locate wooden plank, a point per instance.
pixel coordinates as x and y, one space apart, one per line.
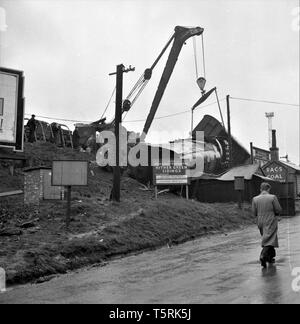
6 156
11 193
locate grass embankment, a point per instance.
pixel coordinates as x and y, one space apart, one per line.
101 229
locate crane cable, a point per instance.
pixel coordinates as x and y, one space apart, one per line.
203 57
196 59
143 81
137 95
176 114
135 87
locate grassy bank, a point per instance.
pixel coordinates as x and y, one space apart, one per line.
101 230
35 244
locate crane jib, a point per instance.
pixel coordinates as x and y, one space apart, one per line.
180 36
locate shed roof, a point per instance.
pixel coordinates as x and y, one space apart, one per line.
246 171
291 165
37 168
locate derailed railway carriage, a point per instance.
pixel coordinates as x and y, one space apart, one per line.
54 133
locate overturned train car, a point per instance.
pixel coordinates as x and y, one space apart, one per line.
213 152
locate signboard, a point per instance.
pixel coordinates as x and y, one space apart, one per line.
239 183
261 156
70 173
11 109
170 175
276 172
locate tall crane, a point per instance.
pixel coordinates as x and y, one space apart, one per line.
179 37
181 34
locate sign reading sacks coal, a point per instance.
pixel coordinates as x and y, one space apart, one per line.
11 109
70 173
276 172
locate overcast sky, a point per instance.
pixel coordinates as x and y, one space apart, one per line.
68 48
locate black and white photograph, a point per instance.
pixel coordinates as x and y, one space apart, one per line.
149 154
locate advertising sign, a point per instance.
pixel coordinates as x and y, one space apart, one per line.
170 175
261 156
276 172
11 109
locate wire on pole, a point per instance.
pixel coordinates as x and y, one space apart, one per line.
110 99
266 101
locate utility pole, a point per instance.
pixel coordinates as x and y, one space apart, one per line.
116 191
229 131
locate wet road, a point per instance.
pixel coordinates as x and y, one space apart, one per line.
215 269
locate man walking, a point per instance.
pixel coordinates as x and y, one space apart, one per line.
266 207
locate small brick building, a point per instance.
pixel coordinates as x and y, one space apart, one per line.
38 187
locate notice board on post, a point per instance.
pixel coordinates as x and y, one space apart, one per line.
70 173
11 109
239 183
168 175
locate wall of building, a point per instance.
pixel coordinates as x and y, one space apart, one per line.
37 187
33 184
212 191
295 178
283 173
50 192
298 184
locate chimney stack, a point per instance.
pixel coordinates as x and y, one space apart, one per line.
274 149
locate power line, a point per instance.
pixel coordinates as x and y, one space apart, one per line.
176 114
129 121
266 101
109 101
172 115
62 119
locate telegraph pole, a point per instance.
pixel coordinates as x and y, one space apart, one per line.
116 191
229 130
